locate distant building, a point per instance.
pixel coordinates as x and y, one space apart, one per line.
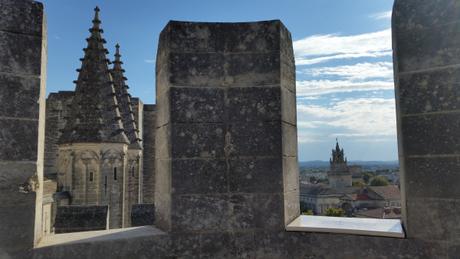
356 171
355 201
339 174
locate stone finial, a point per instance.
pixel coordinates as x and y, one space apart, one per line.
96 20
117 53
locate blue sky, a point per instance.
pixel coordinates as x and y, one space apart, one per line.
342 47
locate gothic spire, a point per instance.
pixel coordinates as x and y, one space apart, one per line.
94 116
338 156
124 101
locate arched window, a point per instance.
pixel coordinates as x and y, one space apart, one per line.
115 173
91 176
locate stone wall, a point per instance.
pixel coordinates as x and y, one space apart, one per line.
148 140
107 163
142 214
425 42
57 109
80 218
138 109
226 157
22 104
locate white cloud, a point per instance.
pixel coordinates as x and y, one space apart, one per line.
320 87
151 61
354 118
321 48
381 15
360 71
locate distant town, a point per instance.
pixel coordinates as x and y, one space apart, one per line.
369 189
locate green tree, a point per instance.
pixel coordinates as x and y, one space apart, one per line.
307 212
358 184
367 176
313 179
335 212
303 206
379 181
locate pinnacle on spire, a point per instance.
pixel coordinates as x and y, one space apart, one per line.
96 16
94 112
124 101
117 53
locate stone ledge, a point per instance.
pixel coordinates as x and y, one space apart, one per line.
102 235
353 226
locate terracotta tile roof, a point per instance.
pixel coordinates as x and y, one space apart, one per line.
379 213
389 192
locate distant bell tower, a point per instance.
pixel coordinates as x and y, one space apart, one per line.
339 174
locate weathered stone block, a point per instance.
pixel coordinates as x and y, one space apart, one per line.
224 37
196 69
432 177
262 175
431 134
163 179
256 139
431 91
13 175
289 140
80 218
20 53
439 214
185 245
286 48
269 211
200 213
22 222
163 142
291 206
18 139
291 174
162 209
19 96
428 47
288 109
204 140
253 104
194 37
252 69
163 116
270 244
148 140
24 17
142 215
244 244
217 245
199 176
223 111
197 105
288 78
242 212
422 14
252 37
